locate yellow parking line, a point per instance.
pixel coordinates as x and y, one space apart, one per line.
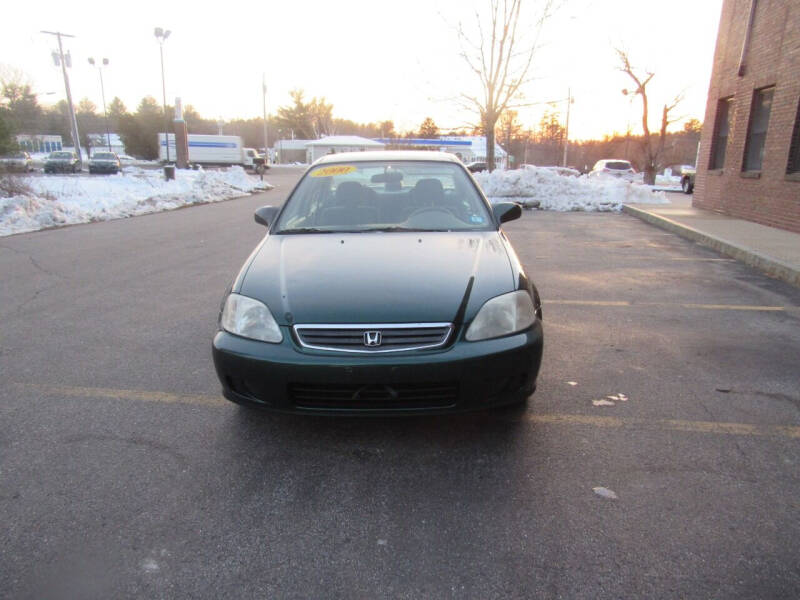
122 394
716 427
749 307
735 307
589 302
706 427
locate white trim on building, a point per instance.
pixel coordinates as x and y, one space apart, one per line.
334 144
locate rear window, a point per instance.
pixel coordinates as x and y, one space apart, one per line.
619 165
385 196
104 155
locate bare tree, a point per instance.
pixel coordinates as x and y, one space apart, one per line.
501 57
652 150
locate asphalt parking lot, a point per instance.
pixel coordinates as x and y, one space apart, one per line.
123 473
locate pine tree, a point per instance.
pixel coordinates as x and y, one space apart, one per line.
428 129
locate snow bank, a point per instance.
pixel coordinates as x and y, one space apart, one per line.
545 188
64 199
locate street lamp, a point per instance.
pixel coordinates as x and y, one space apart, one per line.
161 36
103 93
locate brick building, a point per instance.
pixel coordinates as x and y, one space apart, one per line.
749 159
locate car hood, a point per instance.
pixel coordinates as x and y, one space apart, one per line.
378 277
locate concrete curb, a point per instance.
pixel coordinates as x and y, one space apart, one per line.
771 266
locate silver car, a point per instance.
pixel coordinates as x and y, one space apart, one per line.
613 167
16 161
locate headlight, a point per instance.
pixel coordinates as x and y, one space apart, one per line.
502 315
249 318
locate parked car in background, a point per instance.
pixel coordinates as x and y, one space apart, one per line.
399 293
104 162
16 161
476 167
62 161
687 179
613 167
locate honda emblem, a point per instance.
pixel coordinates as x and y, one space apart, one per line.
372 338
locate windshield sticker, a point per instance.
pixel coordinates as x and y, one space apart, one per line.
476 219
333 170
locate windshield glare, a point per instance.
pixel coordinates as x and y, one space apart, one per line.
385 196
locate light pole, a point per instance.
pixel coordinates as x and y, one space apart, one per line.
266 135
570 100
161 36
103 93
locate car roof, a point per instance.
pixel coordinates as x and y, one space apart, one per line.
605 160
388 155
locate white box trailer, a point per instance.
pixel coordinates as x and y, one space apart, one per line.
219 150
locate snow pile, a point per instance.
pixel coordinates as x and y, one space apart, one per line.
545 188
63 199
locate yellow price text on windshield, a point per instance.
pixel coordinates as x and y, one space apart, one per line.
333 170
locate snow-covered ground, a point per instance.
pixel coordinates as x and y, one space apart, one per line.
63 199
545 188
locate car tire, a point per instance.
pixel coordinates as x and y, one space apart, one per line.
686 185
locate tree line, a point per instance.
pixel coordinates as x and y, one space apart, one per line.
543 145
21 112
301 118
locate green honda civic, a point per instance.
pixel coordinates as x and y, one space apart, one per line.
384 285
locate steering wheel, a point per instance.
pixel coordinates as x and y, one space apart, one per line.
432 209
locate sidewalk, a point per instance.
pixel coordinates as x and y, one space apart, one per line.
774 251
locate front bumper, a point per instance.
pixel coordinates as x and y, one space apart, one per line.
60 167
104 168
464 376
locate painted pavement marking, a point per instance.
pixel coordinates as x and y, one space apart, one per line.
706 427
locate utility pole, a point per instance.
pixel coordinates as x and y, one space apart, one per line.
266 135
76 140
566 128
103 92
161 36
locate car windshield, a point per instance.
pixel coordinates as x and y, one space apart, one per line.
619 165
385 196
104 155
60 155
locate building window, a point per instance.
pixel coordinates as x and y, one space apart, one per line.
793 166
757 129
722 127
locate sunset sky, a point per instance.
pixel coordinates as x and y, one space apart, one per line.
372 60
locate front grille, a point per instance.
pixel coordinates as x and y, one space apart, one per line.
374 338
374 396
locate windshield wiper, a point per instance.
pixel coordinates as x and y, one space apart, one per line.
394 228
306 230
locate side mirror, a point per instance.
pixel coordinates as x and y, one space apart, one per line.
265 215
506 211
